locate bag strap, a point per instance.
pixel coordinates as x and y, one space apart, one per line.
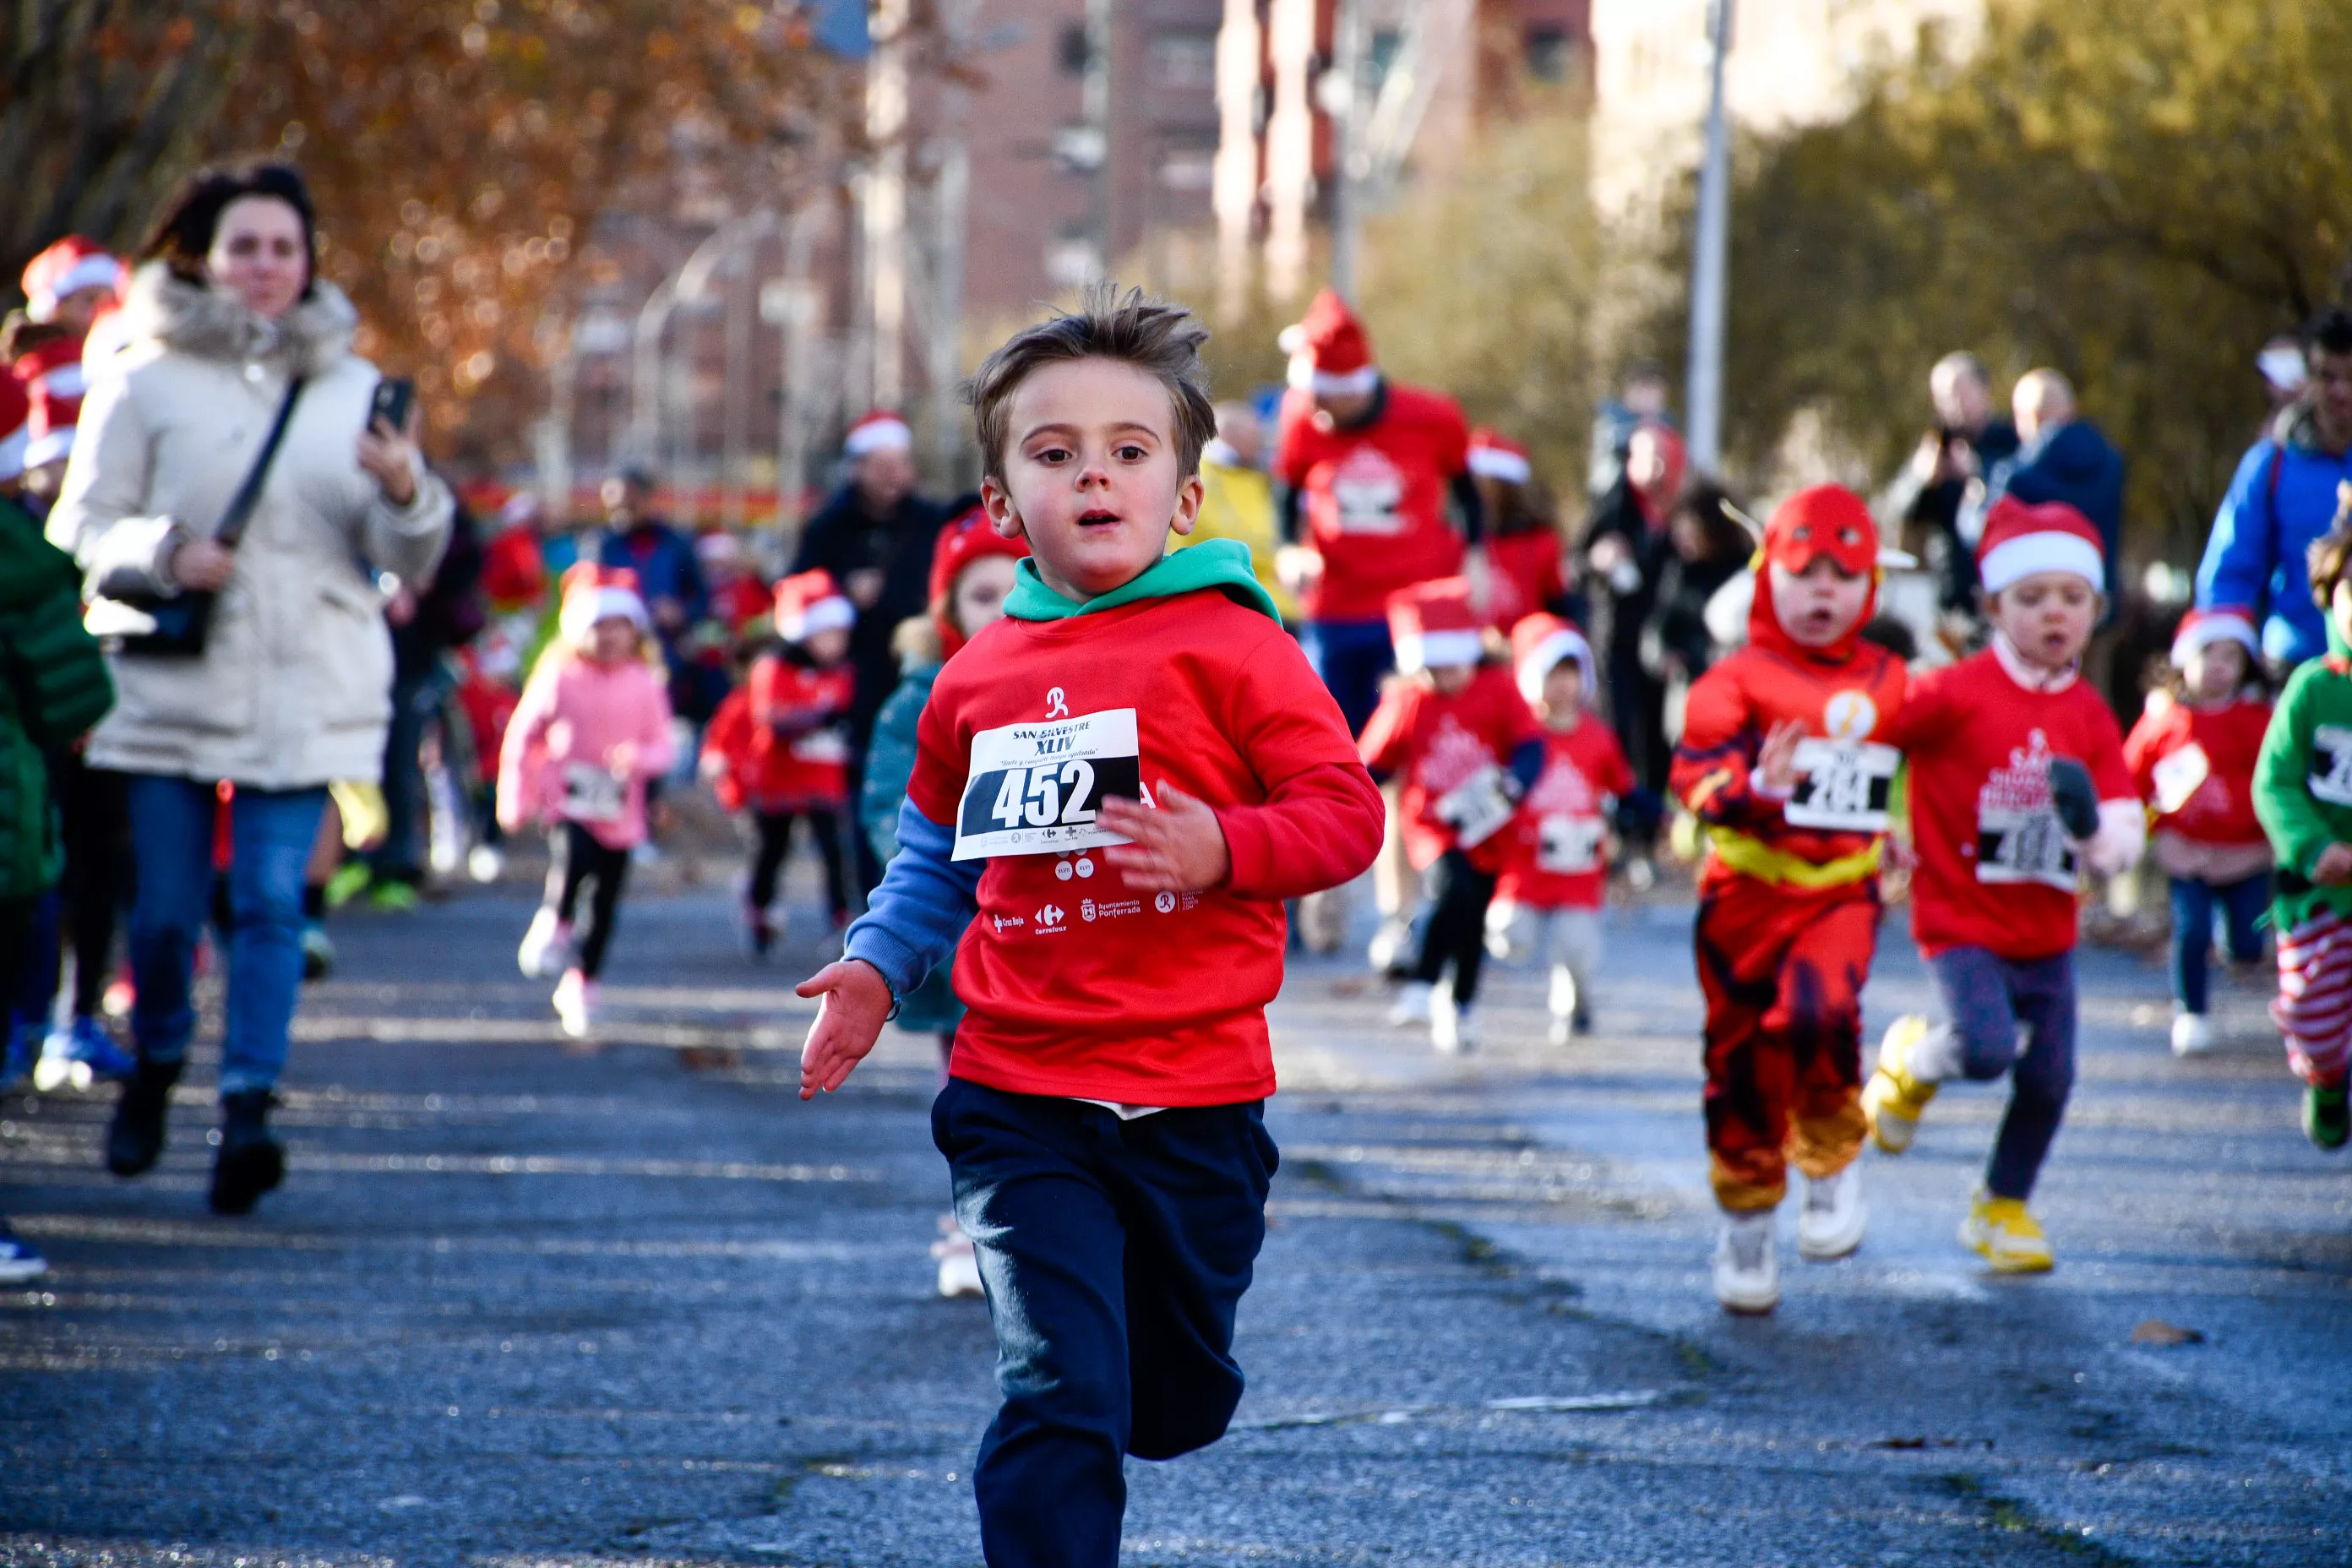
248 494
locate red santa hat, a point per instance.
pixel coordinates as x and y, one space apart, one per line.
879 430
2020 541
2204 629
1825 520
1495 455
1434 626
15 411
594 593
68 267
967 539
1330 355
808 603
53 378
1538 645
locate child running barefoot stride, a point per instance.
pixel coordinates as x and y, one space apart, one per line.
2303 793
1122 780
1783 758
1548 899
591 728
2017 779
1458 734
2192 755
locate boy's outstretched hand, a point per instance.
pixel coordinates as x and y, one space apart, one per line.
856 1005
1179 848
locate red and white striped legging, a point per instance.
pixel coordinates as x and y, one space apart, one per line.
2314 1007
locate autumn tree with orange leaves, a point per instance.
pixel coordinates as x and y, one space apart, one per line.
459 150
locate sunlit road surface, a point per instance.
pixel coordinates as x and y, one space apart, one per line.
522 1305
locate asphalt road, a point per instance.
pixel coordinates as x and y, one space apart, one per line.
522 1305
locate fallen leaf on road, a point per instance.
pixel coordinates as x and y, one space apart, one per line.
2156 1332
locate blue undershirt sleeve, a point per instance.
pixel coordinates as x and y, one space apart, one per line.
1527 763
920 911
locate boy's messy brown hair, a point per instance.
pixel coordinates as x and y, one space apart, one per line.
1162 339
2331 552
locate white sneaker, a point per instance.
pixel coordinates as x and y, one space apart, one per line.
959 1266
1747 1264
56 1067
546 946
1390 946
1563 1029
575 1004
1453 1028
1412 1003
1830 1224
2193 1034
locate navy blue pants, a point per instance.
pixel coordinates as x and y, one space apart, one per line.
2192 931
1989 999
1353 658
1114 1254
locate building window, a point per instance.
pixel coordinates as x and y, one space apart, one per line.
1186 61
1070 49
1548 53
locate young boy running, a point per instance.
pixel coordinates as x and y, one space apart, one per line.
2017 778
2303 793
1122 779
1783 758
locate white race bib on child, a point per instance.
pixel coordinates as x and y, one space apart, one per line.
2331 764
591 793
1035 789
2179 776
1842 786
1566 845
1478 807
2025 846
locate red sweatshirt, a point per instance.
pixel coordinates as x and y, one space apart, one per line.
1555 852
1450 750
1375 497
1078 985
2200 761
799 746
1995 870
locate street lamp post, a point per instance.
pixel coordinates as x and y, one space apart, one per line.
1710 258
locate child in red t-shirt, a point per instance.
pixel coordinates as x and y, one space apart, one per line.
1548 899
1526 556
2192 755
1784 760
2017 779
795 760
1458 734
1122 779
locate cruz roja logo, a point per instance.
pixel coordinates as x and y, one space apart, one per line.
1056 705
1004 921
1049 917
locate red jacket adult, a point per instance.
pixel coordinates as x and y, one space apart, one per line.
1078 985
1372 497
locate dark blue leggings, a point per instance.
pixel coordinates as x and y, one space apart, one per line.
1114 1254
1989 997
2192 931
1352 658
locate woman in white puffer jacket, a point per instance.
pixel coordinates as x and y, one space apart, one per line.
292 688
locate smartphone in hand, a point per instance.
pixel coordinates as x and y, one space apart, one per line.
394 396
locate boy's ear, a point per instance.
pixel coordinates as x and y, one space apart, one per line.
1187 505
995 501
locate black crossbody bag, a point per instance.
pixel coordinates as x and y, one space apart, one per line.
175 626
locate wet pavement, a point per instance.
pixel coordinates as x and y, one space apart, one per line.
520 1304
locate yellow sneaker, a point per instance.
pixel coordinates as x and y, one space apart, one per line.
2009 1238
1892 1099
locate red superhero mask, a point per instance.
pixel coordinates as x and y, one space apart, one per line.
1825 520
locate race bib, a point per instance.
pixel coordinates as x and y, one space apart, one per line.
1477 808
1566 845
1841 786
2024 847
591 794
827 745
2331 764
1034 789
2179 776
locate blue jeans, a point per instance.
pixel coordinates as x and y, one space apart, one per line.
2192 931
1114 1254
172 844
1351 657
1989 997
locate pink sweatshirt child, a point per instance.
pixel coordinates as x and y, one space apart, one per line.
576 716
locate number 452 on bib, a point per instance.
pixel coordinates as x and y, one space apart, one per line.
1035 789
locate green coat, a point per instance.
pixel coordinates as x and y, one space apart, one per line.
2302 781
931 1008
53 688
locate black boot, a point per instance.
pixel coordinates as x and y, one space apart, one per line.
251 1162
136 1141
